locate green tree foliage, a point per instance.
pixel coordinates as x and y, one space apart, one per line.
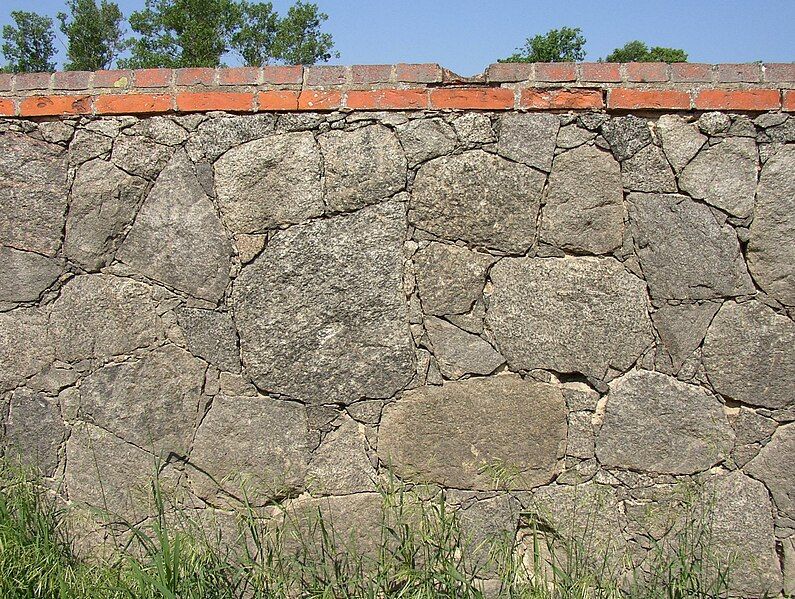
637 51
94 34
197 33
557 45
29 44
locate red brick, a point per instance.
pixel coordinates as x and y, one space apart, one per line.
277 100
326 75
647 71
132 103
311 99
691 72
371 73
25 81
789 101
738 99
153 77
6 107
478 98
5 82
739 73
238 76
71 80
551 99
600 71
657 99
389 99
556 71
782 71
418 73
116 78
207 101
503 72
283 75
196 76
54 105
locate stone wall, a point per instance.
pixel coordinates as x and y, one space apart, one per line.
516 306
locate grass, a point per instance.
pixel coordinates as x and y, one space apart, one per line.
422 553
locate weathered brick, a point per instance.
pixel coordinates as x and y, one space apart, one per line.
691 72
54 105
115 78
489 98
6 79
738 99
132 103
781 71
6 107
550 99
371 73
283 75
326 75
789 101
387 99
195 76
418 73
71 80
319 100
238 76
278 100
502 72
631 99
600 71
739 73
647 71
25 81
201 101
556 71
153 77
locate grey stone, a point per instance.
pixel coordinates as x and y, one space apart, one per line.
655 423
153 402
177 238
478 198
626 135
572 136
784 133
713 123
56 131
473 127
485 523
362 167
269 182
580 397
775 466
340 465
568 314
529 138
25 275
87 145
771 251
160 129
217 135
34 430
584 209
140 156
102 205
254 443
724 176
580 441
684 251
458 352
480 434
32 194
681 140
99 316
211 336
682 328
450 278
648 170
789 565
423 139
749 355
24 347
321 312
249 246
751 427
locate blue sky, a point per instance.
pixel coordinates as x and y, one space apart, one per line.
467 35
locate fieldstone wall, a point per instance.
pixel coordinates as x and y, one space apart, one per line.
519 307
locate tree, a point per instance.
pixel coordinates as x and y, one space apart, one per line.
637 51
93 33
30 45
198 33
557 45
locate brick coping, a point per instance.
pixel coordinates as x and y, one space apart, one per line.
754 87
